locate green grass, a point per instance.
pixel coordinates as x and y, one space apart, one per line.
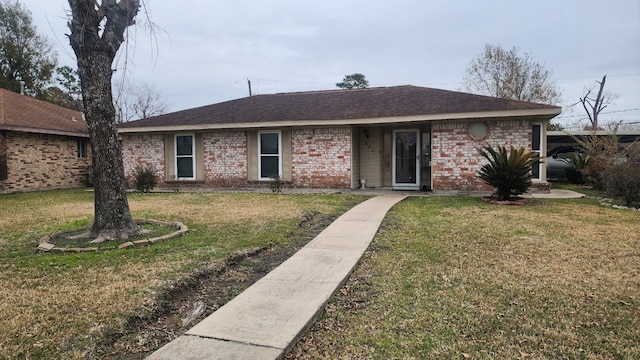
446 277
58 306
593 193
455 278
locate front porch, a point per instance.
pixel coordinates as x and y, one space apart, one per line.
392 158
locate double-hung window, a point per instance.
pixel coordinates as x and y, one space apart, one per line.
82 148
185 157
269 154
536 143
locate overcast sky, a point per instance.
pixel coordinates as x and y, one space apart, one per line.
207 50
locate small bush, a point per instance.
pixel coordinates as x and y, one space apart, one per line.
276 184
623 180
593 173
90 176
508 172
145 178
577 162
604 153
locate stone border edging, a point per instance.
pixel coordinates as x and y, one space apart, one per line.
45 245
608 202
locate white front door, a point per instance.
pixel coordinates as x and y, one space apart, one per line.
406 159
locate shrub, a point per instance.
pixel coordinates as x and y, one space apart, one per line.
604 153
90 176
633 151
577 162
508 172
623 180
276 184
145 178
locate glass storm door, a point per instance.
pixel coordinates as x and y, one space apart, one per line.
406 160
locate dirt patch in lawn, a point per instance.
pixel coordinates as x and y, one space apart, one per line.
180 305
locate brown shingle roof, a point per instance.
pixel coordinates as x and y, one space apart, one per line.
371 103
27 114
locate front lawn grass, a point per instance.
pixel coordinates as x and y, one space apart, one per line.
66 306
456 278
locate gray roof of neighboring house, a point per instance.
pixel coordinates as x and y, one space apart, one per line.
26 114
346 105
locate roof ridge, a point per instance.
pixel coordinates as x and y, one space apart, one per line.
338 90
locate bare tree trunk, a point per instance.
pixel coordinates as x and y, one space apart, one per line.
96 42
593 107
112 216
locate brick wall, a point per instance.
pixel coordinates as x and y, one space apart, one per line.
455 157
225 158
41 161
144 150
321 158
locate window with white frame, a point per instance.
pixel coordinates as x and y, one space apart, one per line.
185 157
269 154
536 146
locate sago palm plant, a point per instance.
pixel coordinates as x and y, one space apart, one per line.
577 163
508 171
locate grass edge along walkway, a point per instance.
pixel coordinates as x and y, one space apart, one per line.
264 321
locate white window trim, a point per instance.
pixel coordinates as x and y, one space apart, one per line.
406 186
539 151
260 153
193 155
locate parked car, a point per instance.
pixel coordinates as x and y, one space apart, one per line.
557 163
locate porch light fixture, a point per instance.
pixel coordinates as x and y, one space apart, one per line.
478 130
366 133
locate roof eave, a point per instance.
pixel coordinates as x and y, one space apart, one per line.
547 113
26 129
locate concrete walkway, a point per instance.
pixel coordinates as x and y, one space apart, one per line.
556 194
268 317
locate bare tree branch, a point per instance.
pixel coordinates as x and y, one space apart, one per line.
507 74
593 107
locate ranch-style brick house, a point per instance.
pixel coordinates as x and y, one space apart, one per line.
42 145
401 137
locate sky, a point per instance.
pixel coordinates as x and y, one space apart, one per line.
204 52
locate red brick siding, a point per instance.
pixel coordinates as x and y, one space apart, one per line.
321 158
225 158
41 161
455 158
143 150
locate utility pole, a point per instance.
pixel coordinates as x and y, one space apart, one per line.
249 82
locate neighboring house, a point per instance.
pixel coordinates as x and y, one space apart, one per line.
402 137
42 146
